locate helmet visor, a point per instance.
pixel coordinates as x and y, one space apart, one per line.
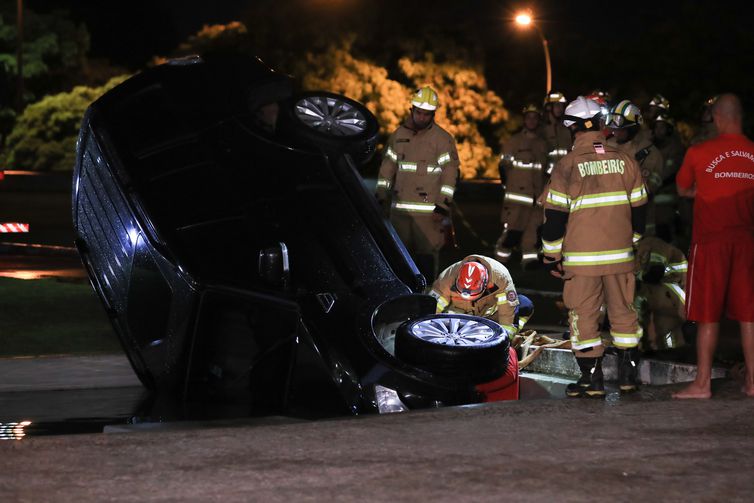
616 121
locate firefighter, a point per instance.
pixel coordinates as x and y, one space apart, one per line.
625 120
656 106
706 129
419 169
482 286
660 298
594 213
522 175
556 135
668 142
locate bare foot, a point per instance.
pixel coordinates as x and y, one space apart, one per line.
694 390
748 390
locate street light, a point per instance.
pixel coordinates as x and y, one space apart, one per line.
524 19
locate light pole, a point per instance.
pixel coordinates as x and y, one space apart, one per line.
524 19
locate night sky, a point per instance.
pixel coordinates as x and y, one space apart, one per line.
686 50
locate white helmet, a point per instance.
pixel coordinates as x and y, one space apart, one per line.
583 113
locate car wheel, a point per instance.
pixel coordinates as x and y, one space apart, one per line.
454 345
334 122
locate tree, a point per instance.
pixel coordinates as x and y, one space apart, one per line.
44 136
54 53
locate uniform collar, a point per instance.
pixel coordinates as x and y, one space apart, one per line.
588 138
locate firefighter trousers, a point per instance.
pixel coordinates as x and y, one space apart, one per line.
526 219
584 297
423 237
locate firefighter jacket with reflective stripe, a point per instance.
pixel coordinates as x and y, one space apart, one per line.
649 159
524 161
559 142
597 185
653 251
420 169
497 303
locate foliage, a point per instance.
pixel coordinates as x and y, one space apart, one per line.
231 37
44 137
465 100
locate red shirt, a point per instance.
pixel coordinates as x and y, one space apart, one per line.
723 171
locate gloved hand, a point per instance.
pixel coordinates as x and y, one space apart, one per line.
653 274
553 266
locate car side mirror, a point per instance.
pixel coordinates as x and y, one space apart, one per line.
274 267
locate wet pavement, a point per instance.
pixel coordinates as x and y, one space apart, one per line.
623 449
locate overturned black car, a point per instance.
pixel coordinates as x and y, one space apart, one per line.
226 229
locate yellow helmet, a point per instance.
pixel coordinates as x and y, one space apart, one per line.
659 101
624 115
554 97
425 98
530 108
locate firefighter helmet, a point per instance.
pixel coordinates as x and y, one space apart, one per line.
623 115
554 97
601 94
425 98
582 114
659 101
472 280
530 108
666 119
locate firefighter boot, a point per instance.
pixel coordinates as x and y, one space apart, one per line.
591 383
628 370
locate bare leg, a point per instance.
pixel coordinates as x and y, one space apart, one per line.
747 342
706 342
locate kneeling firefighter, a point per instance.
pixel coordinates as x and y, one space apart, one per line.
482 286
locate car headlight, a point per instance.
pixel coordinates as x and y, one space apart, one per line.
388 400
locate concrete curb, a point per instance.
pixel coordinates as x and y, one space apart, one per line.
656 372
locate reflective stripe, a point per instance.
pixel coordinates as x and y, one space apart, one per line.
558 199
636 238
416 207
443 159
490 310
522 321
657 258
507 157
390 153
503 254
434 170
552 246
677 290
527 165
557 152
510 329
407 166
442 302
599 258
519 198
599 200
383 183
638 194
529 256
590 343
448 190
677 267
501 299
550 167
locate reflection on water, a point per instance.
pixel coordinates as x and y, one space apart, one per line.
41 274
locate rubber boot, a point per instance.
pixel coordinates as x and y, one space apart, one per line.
628 370
591 384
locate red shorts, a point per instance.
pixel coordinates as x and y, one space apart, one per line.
721 275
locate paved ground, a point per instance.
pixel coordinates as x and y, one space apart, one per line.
551 450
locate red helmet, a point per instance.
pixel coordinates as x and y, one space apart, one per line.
472 280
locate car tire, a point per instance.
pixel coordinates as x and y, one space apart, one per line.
454 345
333 123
